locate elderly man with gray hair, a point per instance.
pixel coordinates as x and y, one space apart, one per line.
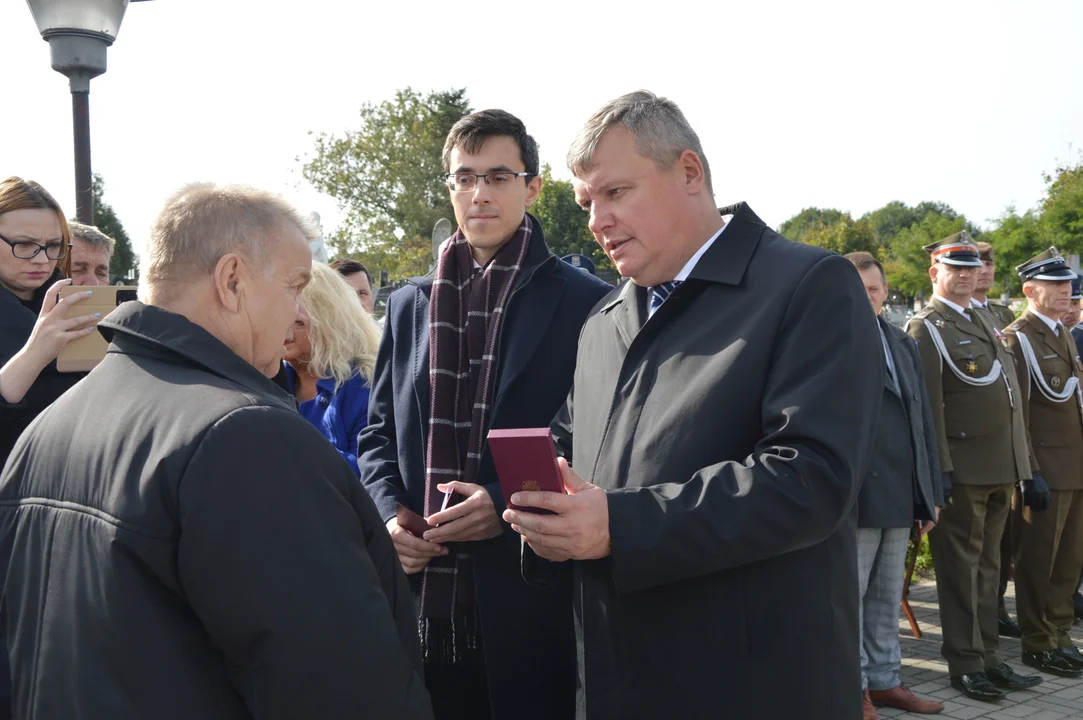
201 551
91 253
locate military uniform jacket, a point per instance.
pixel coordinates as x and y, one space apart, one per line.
974 395
1049 373
1002 314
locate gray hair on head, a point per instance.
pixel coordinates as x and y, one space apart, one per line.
661 130
203 222
92 236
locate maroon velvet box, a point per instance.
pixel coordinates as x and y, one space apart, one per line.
525 459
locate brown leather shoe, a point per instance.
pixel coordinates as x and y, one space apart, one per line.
903 698
870 711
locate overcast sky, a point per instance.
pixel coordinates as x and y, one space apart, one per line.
829 104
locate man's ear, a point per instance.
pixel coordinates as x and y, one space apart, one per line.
229 280
1028 291
533 189
695 177
932 272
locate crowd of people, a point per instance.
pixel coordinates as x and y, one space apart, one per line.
263 504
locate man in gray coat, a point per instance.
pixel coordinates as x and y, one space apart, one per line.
719 425
902 484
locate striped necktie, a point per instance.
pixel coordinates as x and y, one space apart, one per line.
659 293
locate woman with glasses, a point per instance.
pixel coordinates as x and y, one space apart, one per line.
330 359
34 261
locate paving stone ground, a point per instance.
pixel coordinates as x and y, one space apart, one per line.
927 674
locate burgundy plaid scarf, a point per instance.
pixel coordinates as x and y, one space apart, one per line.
466 312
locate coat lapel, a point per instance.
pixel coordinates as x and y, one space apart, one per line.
527 323
629 311
956 318
421 350
896 360
1052 341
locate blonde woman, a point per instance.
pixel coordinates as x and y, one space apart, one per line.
329 361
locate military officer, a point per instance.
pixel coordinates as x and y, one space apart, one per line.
984 281
1001 317
1050 550
974 396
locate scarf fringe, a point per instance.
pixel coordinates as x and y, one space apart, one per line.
449 641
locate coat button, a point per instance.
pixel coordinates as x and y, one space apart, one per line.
1041 444
962 435
875 473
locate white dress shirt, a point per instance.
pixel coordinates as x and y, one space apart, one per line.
1054 325
952 305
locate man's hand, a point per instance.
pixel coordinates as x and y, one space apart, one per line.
925 527
578 531
473 519
414 553
1035 492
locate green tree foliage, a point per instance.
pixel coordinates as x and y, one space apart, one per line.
906 262
1015 239
895 234
845 235
386 174
807 221
564 221
1062 209
124 262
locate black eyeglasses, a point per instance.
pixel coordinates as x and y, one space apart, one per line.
465 182
25 250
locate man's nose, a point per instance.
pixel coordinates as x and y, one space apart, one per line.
482 192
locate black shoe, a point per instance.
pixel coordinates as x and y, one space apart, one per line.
1077 602
1009 628
1004 677
977 687
1052 662
1073 655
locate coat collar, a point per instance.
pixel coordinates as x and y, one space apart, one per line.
956 318
138 329
535 296
725 263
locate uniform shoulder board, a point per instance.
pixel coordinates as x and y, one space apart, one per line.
1015 325
925 312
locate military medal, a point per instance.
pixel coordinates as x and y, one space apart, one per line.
939 323
971 367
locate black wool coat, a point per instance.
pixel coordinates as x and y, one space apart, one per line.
731 432
177 542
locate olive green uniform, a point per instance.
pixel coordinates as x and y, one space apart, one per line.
1050 550
974 395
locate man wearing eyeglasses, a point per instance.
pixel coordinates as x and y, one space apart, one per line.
488 340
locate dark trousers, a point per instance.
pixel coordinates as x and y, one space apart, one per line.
1049 557
460 691
1009 546
966 555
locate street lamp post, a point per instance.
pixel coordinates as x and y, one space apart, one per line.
79 32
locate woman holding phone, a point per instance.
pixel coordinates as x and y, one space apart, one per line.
330 359
34 262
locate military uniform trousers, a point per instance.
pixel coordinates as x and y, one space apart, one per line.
1047 570
881 566
965 545
1009 545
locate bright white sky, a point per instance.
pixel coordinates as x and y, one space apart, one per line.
831 104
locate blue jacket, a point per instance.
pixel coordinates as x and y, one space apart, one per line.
529 639
339 415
